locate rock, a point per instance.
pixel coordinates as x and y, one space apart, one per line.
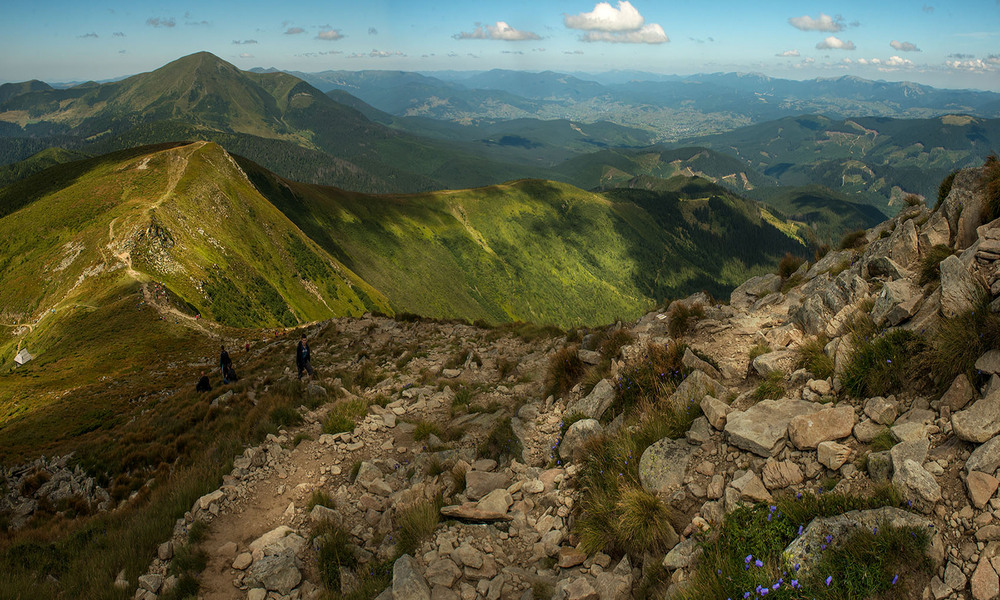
443 572
150 582
763 428
985 584
715 411
750 487
939 590
807 431
580 589
570 557
407 582
989 362
699 432
954 578
778 475
208 500
867 430
594 404
480 483
276 573
883 266
914 483
617 584
959 394
694 387
322 513
273 538
958 288
935 232
691 361
242 561
903 244
979 422
257 594
663 464
773 362
915 450
471 512
981 488
497 501
985 458
753 289
590 357
896 302
832 455
879 466
908 432
682 555
466 555
882 410
367 473
165 551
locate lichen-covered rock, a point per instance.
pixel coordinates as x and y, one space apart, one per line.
663 465
763 428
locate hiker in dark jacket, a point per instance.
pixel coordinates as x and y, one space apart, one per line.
302 357
225 365
203 384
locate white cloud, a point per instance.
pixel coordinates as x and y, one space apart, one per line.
500 31
823 23
993 59
245 55
329 35
904 46
647 34
788 53
835 43
976 64
605 17
294 31
160 22
895 61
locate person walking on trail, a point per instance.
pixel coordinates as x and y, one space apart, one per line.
302 357
225 364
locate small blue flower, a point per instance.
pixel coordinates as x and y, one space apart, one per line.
828 580
759 563
895 578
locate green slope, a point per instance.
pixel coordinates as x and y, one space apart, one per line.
535 250
181 216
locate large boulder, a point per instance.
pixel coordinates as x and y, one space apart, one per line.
915 483
754 289
985 458
904 247
407 582
276 573
763 428
715 411
663 464
896 302
958 288
935 232
773 362
571 447
480 483
594 404
807 431
694 387
778 475
979 422
989 362
691 361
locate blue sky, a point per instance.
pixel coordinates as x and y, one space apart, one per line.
946 44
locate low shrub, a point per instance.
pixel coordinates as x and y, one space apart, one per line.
882 441
852 240
958 342
789 264
771 388
285 416
913 200
812 357
345 415
564 371
759 349
930 264
682 318
424 430
882 365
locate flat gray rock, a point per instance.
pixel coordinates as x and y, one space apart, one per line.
407 582
985 458
763 428
663 465
981 421
594 404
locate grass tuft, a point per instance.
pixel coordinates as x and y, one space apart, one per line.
344 416
683 317
812 357
852 240
658 371
945 188
416 524
501 443
564 371
789 264
958 342
771 388
882 365
930 264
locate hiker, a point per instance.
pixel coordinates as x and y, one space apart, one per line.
225 365
231 374
203 384
302 357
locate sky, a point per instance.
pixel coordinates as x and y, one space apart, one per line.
942 43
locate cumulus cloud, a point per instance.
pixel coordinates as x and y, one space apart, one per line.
618 25
788 53
88 35
835 43
605 17
647 34
500 31
822 23
372 31
118 34
161 22
329 35
993 59
238 42
895 61
904 46
975 64
294 31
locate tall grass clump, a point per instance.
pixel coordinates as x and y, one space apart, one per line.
930 264
812 357
945 188
991 188
335 552
644 379
958 342
564 370
417 523
789 264
501 443
883 364
345 415
683 317
853 240
771 388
